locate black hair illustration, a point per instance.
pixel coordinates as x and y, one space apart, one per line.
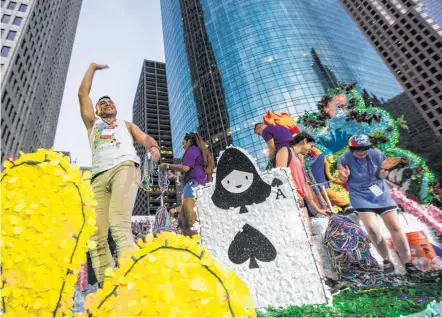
238 183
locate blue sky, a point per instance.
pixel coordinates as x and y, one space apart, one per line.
118 33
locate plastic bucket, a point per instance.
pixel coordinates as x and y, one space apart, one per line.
420 246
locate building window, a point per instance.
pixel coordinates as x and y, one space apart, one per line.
11 35
17 21
6 18
12 5
23 8
5 51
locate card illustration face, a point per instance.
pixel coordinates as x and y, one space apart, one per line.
268 247
238 183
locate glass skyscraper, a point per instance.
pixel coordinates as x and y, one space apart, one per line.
263 52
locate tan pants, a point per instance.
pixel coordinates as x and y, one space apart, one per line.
115 192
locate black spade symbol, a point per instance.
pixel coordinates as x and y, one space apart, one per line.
251 243
276 182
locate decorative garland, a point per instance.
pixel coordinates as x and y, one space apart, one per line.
344 104
171 275
47 218
430 215
372 302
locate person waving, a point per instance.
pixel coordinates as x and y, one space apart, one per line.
364 169
115 171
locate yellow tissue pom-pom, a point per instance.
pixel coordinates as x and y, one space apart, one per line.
45 231
167 278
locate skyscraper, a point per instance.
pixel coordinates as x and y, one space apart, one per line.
151 114
410 42
262 53
418 138
37 40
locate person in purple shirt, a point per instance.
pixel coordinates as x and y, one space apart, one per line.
198 165
278 142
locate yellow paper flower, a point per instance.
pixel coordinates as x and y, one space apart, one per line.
47 218
172 275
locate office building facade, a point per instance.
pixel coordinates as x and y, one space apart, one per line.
419 137
37 40
151 114
262 52
410 42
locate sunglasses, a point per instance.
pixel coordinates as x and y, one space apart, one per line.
360 149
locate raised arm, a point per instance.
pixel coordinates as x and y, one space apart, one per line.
86 107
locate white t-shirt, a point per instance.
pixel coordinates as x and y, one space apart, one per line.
111 144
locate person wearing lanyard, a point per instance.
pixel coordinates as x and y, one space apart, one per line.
115 172
364 170
198 165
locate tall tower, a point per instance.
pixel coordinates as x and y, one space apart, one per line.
246 57
151 114
410 42
37 40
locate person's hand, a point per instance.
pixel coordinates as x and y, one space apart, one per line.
389 163
171 176
155 153
343 172
100 66
163 166
323 212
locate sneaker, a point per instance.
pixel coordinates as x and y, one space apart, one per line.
337 288
412 270
388 267
330 281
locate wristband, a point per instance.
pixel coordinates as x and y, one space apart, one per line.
154 147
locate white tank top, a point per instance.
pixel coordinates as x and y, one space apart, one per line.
111 144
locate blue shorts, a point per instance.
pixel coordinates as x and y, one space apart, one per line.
189 189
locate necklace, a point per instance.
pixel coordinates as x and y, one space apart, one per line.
110 121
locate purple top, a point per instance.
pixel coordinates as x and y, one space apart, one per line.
193 158
280 135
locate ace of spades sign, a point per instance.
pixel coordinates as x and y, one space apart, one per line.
290 276
239 184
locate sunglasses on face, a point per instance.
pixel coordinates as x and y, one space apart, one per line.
360 150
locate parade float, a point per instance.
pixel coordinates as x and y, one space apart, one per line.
254 255
47 219
342 113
